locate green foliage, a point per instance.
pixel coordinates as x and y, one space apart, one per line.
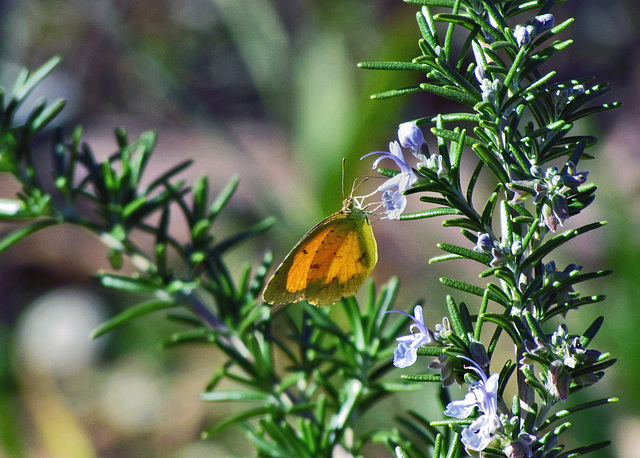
333 373
308 375
517 120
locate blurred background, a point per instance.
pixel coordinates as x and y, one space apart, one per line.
267 89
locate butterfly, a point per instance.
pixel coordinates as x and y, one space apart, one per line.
330 262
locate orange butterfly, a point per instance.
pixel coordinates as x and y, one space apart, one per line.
330 262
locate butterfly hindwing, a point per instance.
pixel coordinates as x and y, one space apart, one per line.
343 261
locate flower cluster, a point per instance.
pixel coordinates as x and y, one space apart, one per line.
549 188
564 352
483 394
407 352
525 33
393 190
515 126
500 251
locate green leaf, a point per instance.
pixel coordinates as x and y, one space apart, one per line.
200 230
394 66
491 161
235 395
592 368
554 243
24 231
47 115
490 206
430 213
421 378
128 284
573 409
505 324
444 257
463 223
457 323
579 451
288 438
473 289
429 32
223 197
435 200
537 84
200 199
134 206
455 117
199 336
400 453
590 333
465 253
456 19
430 351
454 160
166 176
131 313
487 26
246 415
396 92
534 326
481 312
445 3
515 67
592 110
574 304
450 92
29 82
560 27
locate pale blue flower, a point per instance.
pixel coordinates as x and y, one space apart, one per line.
393 199
484 243
483 394
543 23
407 352
522 34
411 137
393 202
396 155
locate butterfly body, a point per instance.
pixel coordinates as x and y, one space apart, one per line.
330 262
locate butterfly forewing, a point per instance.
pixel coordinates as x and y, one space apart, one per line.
290 279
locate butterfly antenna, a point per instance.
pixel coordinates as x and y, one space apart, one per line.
355 185
342 181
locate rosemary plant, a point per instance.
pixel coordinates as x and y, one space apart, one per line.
308 381
332 373
516 126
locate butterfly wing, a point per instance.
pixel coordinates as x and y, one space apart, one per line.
289 281
330 262
343 262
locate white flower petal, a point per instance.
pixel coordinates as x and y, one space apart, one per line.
475 441
405 355
461 409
